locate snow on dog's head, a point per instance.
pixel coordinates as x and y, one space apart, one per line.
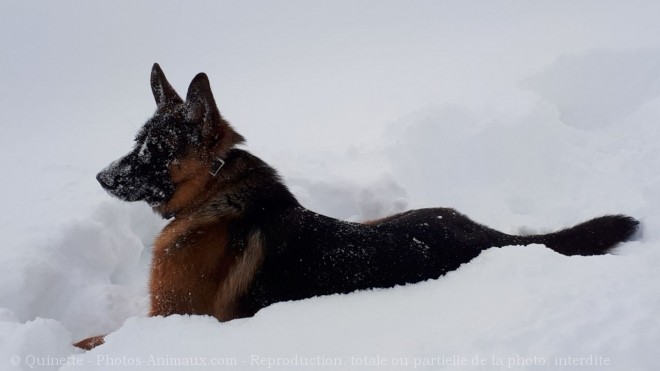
172 147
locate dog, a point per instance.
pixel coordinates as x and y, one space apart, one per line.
239 240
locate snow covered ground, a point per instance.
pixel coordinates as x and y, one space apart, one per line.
526 116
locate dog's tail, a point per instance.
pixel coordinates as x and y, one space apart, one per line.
594 237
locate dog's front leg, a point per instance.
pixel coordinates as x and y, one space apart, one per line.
91 342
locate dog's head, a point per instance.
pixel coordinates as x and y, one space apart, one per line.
176 152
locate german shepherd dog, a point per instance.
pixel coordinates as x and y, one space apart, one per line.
240 241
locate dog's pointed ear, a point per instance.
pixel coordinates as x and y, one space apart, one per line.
163 91
201 107
199 99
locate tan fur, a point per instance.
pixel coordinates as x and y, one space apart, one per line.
193 270
191 178
91 342
239 278
190 263
381 220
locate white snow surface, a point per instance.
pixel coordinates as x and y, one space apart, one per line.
526 116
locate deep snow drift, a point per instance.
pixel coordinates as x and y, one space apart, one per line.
576 139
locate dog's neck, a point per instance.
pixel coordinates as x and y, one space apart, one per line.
241 185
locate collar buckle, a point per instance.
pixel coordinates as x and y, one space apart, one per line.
218 163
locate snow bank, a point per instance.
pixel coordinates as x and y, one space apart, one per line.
599 88
92 275
511 305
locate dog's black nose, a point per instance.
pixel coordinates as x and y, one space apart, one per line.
107 181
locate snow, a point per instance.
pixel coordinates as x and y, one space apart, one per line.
527 117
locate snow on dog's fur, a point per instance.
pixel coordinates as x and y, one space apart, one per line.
240 241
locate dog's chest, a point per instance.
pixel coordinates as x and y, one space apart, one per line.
189 264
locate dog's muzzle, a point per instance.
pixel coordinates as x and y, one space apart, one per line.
106 180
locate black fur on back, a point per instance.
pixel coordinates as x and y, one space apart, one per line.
308 254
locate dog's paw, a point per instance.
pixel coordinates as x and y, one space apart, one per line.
91 342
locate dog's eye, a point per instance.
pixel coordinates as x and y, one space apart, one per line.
154 146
